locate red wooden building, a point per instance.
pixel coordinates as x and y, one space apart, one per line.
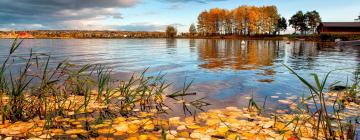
25 35
339 28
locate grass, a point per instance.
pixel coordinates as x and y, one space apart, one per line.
322 118
40 90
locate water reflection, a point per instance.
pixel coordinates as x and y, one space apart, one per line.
221 69
232 54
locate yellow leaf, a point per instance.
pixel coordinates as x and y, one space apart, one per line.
75 131
233 136
184 134
132 138
149 127
143 137
142 114
193 126
57 131
174 121
119 120
223 129
181 127
189 120
106 131
196 135
121 127
73 136
118 133
211 122
170 137
132 128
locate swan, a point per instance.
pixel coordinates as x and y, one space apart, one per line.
243 42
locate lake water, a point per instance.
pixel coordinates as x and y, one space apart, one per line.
225 71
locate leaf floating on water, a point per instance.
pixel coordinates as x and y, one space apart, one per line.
223 130
119 133
34 139
281 111
211 122
57 131
121 127
133 128
274 97
106 131
193 126
170 137
284 102
196 135
149 127
45 136
268 124
174 121
74 136
75 131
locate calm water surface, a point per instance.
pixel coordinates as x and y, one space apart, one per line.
223 70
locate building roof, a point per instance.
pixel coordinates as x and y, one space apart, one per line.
341 24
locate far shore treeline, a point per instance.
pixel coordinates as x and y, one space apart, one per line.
264 22
244 20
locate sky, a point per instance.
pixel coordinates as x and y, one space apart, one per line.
147 15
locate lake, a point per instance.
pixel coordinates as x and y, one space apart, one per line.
227 72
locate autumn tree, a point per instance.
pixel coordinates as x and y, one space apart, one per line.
171 31
201 26
269 19
228 22
192 30
244 20
312 20
297 21
239 20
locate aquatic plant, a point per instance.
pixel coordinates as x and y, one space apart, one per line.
322 119
69 90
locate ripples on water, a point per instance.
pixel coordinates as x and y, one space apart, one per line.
224 70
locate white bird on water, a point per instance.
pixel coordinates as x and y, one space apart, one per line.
243 42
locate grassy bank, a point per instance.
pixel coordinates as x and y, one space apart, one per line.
66 101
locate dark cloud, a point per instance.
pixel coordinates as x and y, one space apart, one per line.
49 12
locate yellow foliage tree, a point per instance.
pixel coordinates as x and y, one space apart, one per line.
244 20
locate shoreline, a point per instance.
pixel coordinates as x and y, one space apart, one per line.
316 38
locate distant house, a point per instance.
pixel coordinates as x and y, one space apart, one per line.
339 28
25 35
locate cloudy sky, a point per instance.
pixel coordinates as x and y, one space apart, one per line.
146 15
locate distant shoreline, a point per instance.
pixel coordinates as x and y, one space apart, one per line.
160 35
